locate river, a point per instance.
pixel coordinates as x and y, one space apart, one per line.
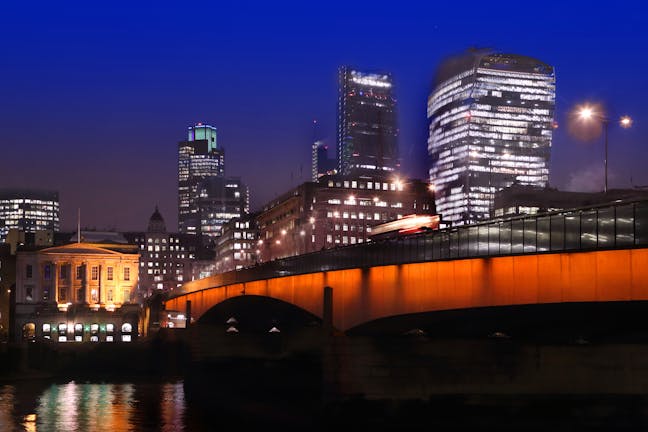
75 406
144 405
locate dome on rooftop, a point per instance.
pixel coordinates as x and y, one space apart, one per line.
156 222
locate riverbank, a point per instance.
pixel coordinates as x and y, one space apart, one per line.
41 360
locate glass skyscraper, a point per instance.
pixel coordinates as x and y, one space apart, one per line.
367 131
28 211
199 158
491 123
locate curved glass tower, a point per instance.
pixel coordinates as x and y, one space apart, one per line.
491 124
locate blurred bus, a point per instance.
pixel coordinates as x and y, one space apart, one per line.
407 225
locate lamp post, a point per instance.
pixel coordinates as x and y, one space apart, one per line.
588 113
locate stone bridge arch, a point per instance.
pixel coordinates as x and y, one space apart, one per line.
258 314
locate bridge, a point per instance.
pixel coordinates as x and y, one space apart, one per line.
585 255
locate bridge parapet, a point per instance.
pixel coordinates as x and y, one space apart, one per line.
621 225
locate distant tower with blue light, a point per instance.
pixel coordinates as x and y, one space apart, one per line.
199 159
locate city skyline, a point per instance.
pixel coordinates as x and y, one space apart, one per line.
96 98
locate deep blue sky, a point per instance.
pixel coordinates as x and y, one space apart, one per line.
94 96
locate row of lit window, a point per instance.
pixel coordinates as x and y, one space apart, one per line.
65 269
367 216
517 74
354 184
48 203
344 239
64 332
157 264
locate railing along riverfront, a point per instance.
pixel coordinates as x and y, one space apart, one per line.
619 225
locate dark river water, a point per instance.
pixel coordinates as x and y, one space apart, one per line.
142 405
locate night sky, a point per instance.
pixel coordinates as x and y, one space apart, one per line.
94 96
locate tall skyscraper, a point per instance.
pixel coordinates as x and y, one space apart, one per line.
367 131
28 210
491 124
199 158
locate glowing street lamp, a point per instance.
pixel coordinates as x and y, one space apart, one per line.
625 122
588 113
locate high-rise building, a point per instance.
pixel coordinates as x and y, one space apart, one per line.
28 211
199 158
491 124
367 131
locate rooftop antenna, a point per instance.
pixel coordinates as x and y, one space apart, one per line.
79 225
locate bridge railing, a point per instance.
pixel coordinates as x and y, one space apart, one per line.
621 225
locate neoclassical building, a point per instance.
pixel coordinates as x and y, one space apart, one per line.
77 292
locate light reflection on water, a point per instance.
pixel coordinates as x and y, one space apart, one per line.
82 407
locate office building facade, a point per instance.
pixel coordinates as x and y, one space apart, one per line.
529 200
166 259
237 246
219 200
491 124
366 127
28 211
336 211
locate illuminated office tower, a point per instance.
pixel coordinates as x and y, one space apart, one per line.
367 131
199 159
491 123
28 211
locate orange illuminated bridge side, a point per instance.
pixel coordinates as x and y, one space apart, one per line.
364 295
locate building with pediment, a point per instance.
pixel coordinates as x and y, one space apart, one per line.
77 292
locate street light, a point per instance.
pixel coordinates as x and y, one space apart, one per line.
588 113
